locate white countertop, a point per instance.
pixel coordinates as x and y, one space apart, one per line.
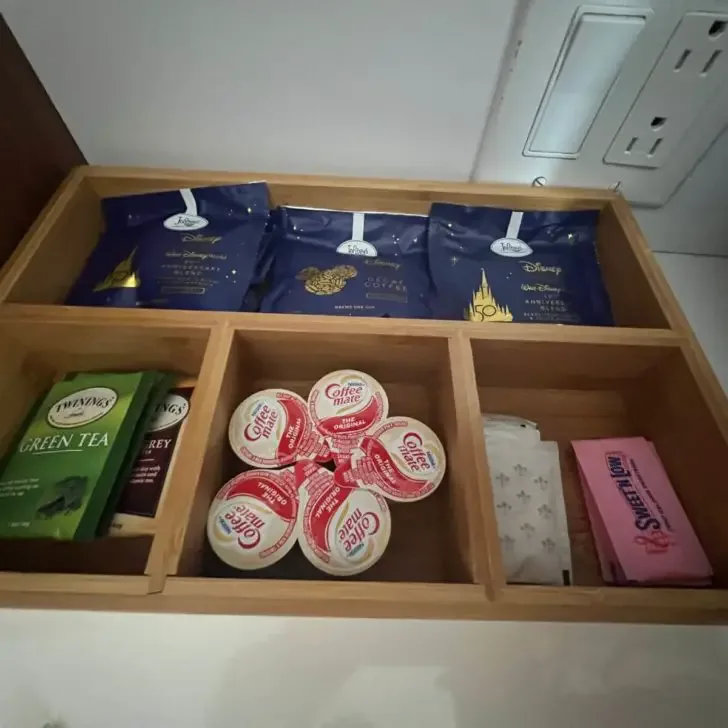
188 671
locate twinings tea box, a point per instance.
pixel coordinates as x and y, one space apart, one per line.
252 520
402 458
144 490
60 473
345 405
272 428
343 530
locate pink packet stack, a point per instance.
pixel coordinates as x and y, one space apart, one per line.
641 531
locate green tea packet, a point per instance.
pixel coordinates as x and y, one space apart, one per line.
60 473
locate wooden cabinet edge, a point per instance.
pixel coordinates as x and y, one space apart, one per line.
616 597
331 598
88 584
597 196
357 600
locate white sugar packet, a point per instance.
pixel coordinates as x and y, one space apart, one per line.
529 505
509 428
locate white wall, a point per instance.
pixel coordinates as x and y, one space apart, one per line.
368 87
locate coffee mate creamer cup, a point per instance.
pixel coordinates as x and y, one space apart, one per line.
403 459
343 530
346 404
272 428
252 520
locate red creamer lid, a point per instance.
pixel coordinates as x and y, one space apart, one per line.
252 520
403 459
345 405
272 428
343 530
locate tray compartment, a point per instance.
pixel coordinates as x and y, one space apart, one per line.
580 391
429 541
32 357
690 431
54 253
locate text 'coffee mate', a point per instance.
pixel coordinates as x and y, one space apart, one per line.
345 405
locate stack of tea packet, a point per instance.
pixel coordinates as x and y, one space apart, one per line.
529 502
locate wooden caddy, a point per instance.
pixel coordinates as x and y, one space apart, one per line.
646 377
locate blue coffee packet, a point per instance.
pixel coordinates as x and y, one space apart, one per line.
196 249
350 264
259 282
492 264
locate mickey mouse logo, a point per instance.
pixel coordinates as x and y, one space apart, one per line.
326 282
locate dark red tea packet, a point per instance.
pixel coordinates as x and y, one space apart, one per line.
143 492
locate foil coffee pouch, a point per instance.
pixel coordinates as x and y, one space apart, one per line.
350 264
492 264
196 249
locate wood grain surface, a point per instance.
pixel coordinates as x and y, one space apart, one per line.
645 377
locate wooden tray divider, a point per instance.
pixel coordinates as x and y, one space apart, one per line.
181 515
470 457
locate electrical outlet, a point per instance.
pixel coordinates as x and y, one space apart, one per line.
685 77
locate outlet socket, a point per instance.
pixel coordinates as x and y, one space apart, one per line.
681 84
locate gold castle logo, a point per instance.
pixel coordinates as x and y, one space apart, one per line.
484 307
123 276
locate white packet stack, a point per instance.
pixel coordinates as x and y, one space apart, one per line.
529 502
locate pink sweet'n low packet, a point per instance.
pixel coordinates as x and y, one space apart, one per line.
641 531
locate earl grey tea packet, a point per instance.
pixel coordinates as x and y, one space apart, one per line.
144 489
196 249
492 264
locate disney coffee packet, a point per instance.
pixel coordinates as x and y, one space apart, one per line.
259 282
350 264
197 249
492 264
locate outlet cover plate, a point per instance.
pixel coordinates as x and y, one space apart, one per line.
538 42
683 81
